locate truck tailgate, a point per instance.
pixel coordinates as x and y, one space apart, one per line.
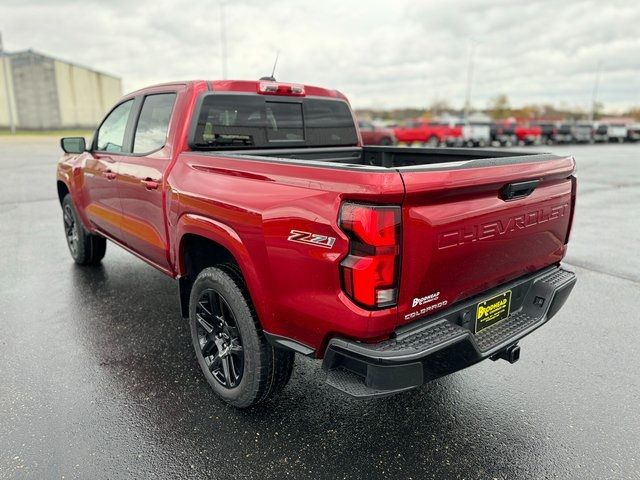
462 234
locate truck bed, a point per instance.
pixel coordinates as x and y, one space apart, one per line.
393 157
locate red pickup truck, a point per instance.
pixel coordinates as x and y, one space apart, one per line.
374 135
393 265
428 132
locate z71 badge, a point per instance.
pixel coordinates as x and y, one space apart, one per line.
311 239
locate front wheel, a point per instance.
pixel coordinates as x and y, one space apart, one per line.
85 248
242 368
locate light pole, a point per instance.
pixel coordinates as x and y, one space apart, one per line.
223 41
467 103
594 95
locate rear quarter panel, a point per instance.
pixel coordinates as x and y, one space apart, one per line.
295 286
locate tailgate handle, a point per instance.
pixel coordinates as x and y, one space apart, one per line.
513 191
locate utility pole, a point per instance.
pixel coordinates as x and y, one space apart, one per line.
6 64
467 103
223 41
594 95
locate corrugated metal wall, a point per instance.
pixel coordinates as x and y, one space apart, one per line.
7 96
49 94
34 81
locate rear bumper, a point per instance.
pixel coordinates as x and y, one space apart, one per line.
444 343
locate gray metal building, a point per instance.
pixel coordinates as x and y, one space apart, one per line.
41 92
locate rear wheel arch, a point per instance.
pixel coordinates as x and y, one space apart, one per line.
197 252
203 243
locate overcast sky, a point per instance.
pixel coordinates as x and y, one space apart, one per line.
381 54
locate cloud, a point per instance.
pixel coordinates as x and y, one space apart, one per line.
379 53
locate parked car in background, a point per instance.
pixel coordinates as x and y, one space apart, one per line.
528 134
582 132
474 134
548 132
453 134
600 134
374 135
605 133
633 132
425 132
523 133
617 133
503 134
563 133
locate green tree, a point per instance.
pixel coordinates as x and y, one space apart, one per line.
499 107
633 112
438 107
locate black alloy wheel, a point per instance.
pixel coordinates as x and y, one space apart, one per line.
219 339
71 229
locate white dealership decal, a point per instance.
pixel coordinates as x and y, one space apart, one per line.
432 297
426 299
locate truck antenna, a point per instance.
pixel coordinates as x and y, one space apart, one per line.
273 72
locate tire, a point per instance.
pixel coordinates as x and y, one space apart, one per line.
225 331
385 141
432 142
85 248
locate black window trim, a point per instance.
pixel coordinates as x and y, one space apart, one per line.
268 98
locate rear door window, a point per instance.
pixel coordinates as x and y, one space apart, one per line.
153 123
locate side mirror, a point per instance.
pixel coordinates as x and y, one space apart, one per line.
73 144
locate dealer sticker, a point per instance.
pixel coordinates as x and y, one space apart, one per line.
493 310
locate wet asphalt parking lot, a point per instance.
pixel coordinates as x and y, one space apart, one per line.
98 378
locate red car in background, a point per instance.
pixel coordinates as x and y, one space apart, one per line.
525 132
428 132
373 135
528 134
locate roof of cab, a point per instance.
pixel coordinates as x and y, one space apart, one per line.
247 86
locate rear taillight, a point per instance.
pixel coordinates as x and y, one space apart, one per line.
370 271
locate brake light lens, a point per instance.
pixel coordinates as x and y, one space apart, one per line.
273 88
370 271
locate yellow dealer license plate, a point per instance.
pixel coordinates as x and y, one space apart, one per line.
493 310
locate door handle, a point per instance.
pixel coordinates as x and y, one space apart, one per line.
150 184
110 175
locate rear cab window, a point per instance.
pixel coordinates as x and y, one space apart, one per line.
226 121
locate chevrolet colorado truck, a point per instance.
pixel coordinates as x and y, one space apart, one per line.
395 266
